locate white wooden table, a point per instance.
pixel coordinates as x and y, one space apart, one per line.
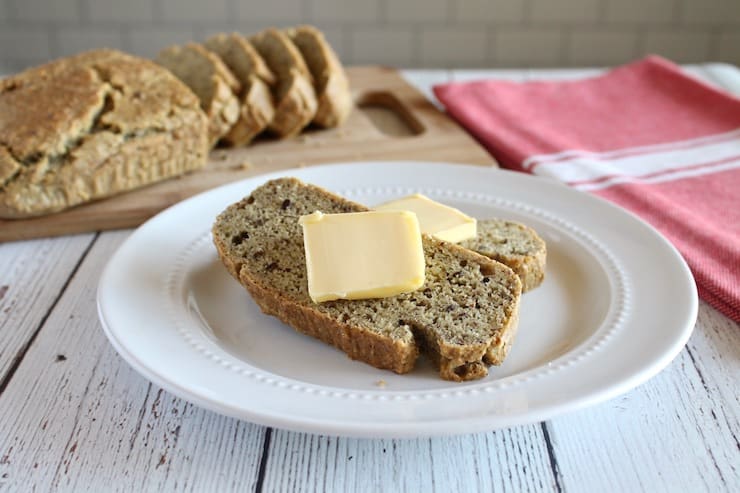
75 417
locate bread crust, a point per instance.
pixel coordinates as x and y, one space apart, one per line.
456 361
330 81
211 80
294 94
90 126
257 109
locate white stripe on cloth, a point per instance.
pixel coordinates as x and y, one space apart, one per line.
662 177
533 161
588 170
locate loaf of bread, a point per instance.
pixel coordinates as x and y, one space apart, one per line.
294 94
464 317
330 81
209 78
513 244
90 126
257 109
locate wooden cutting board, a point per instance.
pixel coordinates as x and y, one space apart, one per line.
391 120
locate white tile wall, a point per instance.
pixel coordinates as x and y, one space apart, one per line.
70 40
130 11
393 46
198 10
490 11
411 33
527 47
601 47
454 47
729 42
26 43
568 11
710 12
415 13
44 10
345 10
640 11
680 46
272 11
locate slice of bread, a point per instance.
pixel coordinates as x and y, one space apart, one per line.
464 317
293 93
513 244
330 81
90 126
257 109
214 84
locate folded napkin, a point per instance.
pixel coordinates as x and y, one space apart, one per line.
645 136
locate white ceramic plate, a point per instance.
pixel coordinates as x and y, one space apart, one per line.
617 305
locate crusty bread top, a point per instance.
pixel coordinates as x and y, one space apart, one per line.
459 317
64 126
240 56
514 244
330 80
45 109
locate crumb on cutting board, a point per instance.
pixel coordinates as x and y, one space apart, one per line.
243 166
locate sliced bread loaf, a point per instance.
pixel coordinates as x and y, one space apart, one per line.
330 81
257 109
513 244
464 317
214 84
293 93
90 126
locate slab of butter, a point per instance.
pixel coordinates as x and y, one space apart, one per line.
362 255
439 220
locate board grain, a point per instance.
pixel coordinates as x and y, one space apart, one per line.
391 121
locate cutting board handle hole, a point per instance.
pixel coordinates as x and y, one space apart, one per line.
389 115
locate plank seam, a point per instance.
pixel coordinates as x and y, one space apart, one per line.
709 393
263 461
553 460
20 356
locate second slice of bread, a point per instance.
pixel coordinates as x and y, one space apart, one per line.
330 81
214 84
257 109
513 244
464 317
294 95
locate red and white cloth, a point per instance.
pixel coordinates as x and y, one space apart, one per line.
645 136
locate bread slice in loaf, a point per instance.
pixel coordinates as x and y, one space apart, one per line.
90 126
207 76
294 95
257 109
513 244
464 317
330 81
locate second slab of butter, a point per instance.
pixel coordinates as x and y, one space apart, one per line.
439 220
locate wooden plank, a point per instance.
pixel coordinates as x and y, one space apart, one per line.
32 276
75 417
677 432
431 136
508 460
